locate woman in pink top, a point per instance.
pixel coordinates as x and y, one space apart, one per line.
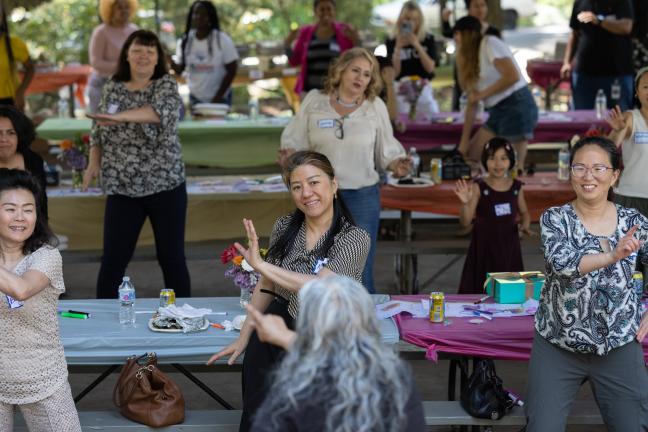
317 44
106 43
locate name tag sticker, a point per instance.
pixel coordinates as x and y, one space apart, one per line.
502 209
13 303
112 108
641 137
319 264
326 123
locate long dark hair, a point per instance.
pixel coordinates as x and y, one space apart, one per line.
214 24
11 179
604 144
22 125
341 215
146 38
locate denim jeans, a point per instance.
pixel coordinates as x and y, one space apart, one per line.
364 205
584 88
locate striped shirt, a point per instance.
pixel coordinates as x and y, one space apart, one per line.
346 256
320 53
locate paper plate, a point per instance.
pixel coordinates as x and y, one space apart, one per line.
205 326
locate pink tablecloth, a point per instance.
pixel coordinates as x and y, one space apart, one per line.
552 127
501 338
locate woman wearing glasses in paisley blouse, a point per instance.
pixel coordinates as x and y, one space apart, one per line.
590 324
350 125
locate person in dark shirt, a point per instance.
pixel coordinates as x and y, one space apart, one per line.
318 385
599 52
412 50
16 135
479 10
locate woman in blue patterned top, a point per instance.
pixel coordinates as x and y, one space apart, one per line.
590 323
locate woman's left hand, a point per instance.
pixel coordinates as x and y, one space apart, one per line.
526 230
252 254
400 167
474 96
104 119
643 328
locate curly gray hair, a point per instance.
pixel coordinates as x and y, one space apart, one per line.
339 360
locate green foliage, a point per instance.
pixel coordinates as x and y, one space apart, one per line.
60 29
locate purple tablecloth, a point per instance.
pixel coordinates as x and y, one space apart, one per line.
501 338
552 127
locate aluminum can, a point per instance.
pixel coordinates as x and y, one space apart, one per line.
167 297
436 168
638 283
437 307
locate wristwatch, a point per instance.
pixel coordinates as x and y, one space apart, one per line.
600 18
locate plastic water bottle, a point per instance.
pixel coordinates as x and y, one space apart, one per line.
479 113
416 162
615 93
563 163
63 108
463 103
600 104
253 106
127 303
537 97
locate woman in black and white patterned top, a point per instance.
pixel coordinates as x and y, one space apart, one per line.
134 143
318 239
590 323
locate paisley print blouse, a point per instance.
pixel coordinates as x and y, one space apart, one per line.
591 313
140 159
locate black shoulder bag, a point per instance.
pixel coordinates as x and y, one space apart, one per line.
484 396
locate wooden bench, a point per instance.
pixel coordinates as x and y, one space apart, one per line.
437 413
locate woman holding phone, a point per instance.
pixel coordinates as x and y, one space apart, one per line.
412 49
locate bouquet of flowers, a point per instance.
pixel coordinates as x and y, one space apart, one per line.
410 88
74 153
241 272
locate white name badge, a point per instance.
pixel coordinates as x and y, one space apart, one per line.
641 137
112 108
326 123
502 209
319 264
13 303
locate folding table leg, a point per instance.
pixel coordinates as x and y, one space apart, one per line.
95 383
203 386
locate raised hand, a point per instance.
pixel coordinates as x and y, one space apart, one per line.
616 119
252 254
270 328
627 245
464 191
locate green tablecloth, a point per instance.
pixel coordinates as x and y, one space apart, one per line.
223 144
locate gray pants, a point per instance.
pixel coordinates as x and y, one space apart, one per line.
619 381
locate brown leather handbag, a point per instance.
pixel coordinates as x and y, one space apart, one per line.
146 395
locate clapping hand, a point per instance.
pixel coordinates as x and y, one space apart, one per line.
464 191
251 254
351 33
627 245
616 119
587 17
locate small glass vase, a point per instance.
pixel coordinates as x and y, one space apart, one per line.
77 179
246 297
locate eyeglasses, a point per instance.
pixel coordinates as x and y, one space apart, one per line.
339 128
598 171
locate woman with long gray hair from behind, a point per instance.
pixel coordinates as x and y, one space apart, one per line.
337 374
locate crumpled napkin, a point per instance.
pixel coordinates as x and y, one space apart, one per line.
235 324
186 317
